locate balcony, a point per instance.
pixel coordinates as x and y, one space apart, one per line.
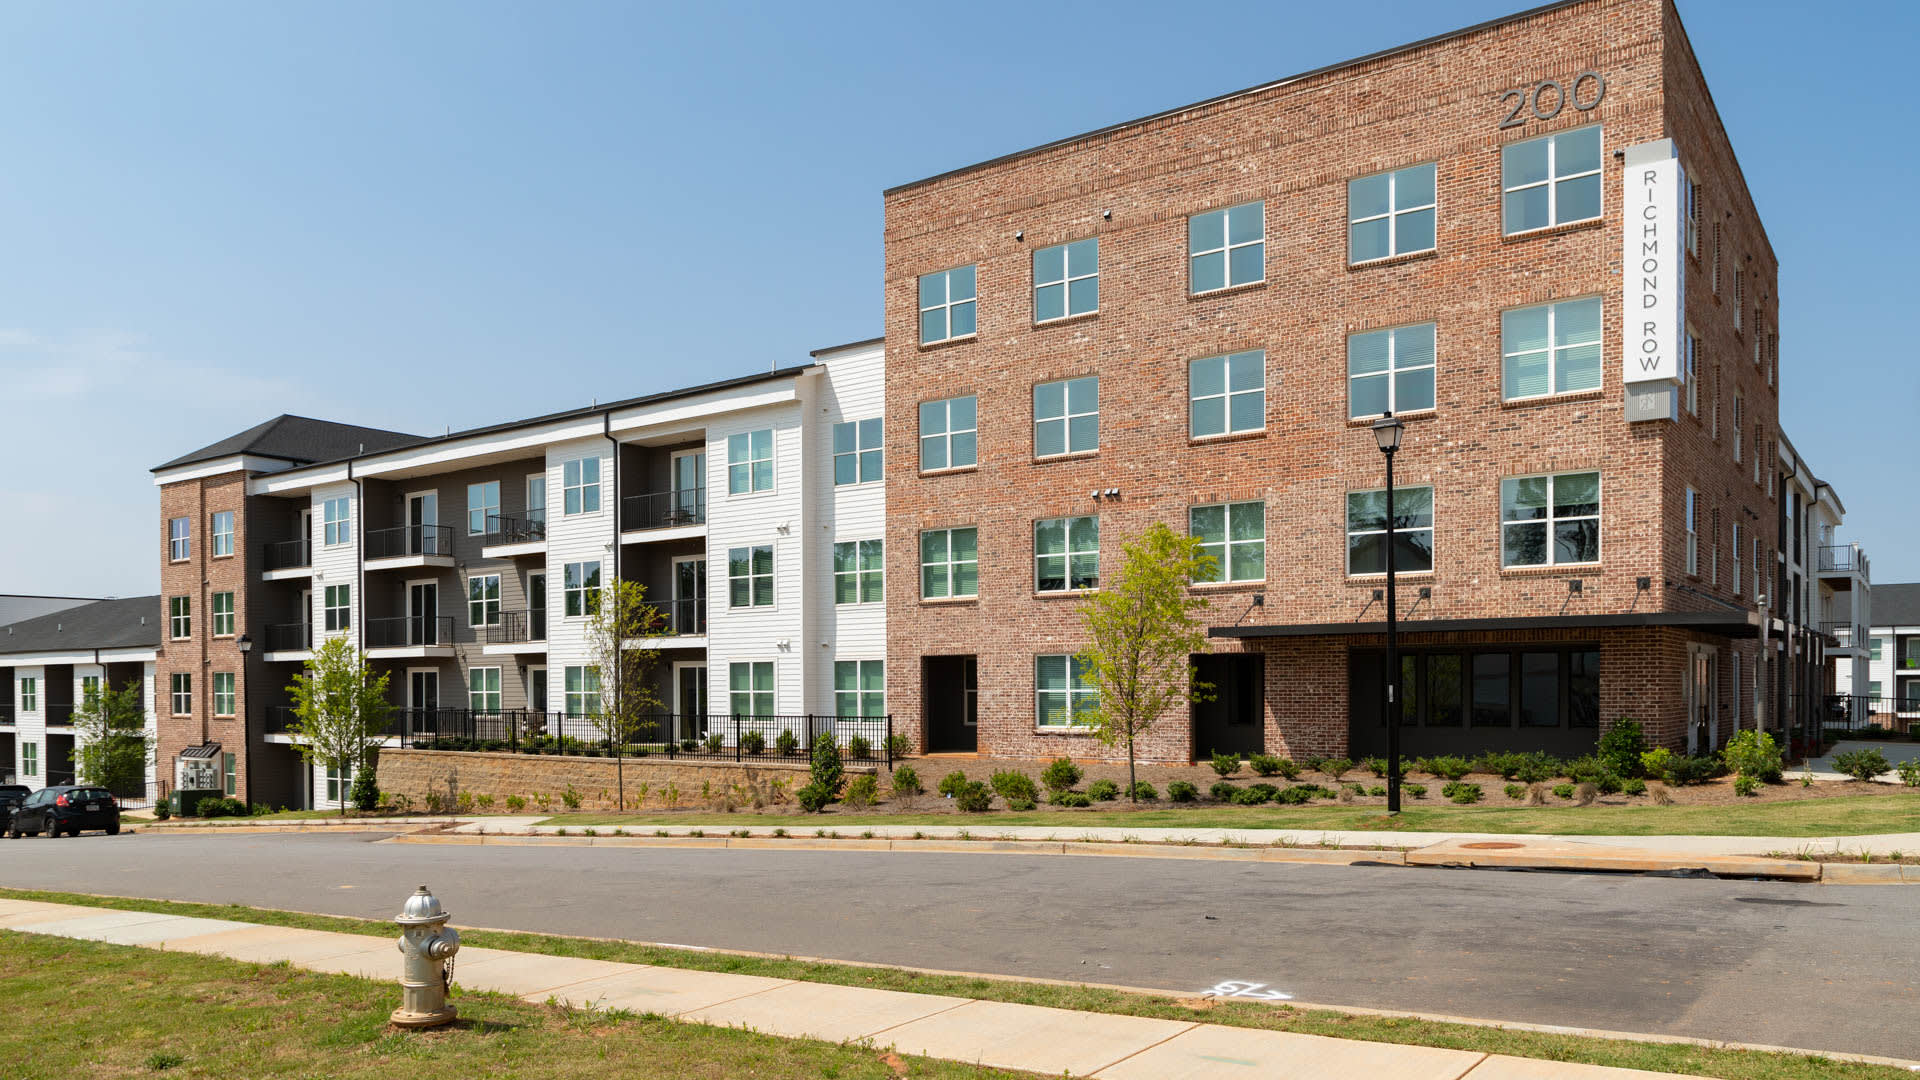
1839 564
6 716
517 632
60 714
410 635
508 537
281 720
287 559
409 546
296 637
684 512
684 618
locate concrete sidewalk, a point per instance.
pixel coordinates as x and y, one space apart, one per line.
1024 1037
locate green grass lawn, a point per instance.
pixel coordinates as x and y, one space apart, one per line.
83 1009
1847 815
359 1040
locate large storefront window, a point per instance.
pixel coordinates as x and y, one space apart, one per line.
1464 700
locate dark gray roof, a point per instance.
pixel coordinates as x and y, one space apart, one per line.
1896 605
103 624
17 606
299 439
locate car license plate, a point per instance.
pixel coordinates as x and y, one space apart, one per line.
93 806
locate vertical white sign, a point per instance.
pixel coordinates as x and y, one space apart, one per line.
1651 268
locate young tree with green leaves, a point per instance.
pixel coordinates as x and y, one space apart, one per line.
340 709
620 624
113 748
1143 627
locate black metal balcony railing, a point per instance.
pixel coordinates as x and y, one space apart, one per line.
289 637
1843 558
513 530
60 714
683 617
408 540
407 631
280 720
518 626
6 715
288 554
664 509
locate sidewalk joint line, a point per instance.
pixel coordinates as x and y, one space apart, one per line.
1191 1026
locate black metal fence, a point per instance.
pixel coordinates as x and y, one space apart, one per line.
513 530
664 509
59 714
407 540
1846 714
516 627
287 554
289 637
407 631
685 616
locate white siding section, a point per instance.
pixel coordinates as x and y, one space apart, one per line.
29 726
586 537
854 389
336 565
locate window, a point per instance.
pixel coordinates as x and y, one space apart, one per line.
857 572
1412 530
179 617
1873 688
947 433
229 773
1066 280
1690 370
1713 550
750 576
483 689
339 782
335 528
946 305
859 688
1874 647
483 502
1227 247
1550 349
856 452
29 693
30 759
89 687
1739 295
1735 580
1066 554
1759 574
580 486
1758 443
580 592
222 614
1692 195
750 688
537 499
1227 394
182 694
750 462
1716 258
1739 409
223 695
1550 520
1235 535
1063 690
179 539
1551 180
1390 371
337 607
223 533
949 563
1066 416
1390 214
483 600
582 691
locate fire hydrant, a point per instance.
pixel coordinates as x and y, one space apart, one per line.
427 948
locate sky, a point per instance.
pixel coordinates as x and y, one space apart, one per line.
438 214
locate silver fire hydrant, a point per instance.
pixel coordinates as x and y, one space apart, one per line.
427 947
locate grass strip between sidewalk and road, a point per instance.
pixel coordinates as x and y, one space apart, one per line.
81 1008
1845 815
1684 1058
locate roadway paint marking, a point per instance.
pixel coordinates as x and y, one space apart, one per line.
1239 989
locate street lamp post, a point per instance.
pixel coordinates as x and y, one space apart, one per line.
1386 432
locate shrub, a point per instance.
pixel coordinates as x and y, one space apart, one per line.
1069 798
163 809
716 743
1587 769
858 748
951 784
899 746
906 781
1653 763
1461 792
1747 786
212 806
1447 768
570 797
1143 791
1754 754
753 743
1584 794
1378 766
1295 795
1503 764
863 791
1564 791
1222 791
1661 795
1253 795
785 744
1103 790
1862 764
1269 765
1621 746
1414 791
1182 791
1377 791
1635 786
1016 787
1312 762
1537 767
1516 791
1336 767
1909 771
1226 764
365 791
973 797
1060 774
826 769
516 803
1690 770
813 798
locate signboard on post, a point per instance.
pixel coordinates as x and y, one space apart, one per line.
1653 282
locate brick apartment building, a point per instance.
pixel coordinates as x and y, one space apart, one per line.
1194 317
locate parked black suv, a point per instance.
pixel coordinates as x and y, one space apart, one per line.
66 809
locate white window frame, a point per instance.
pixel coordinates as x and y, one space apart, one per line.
1395 369
860 575
752 577
1223 550
859 694
1067 279
221 618
1073 693
180 694
579 492
1554 180
1739 425
336 522
179 618
1693 217
89 685
1066 416
754 690
483 691
1735 582
225 701
1227 248
1554 350
1394 213
949 567
339 782
746 465
947 304
579 589
1551 520
1351 532
179 539
948 432
222 537
1691 521
489 608
1690 369
486 506
859 452
1067 554
1228 394
30 758
336 618
582 682
29 693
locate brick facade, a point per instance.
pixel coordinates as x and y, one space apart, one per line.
1295 146
202 654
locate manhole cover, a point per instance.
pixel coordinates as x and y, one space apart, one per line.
1492 845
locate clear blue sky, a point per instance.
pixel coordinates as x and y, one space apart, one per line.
438 214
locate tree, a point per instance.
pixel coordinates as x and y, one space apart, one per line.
113 748
1144 629
619 624
340 709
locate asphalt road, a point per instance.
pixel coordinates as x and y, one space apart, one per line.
1828 968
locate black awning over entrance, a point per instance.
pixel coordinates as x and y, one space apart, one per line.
1733 624
204 750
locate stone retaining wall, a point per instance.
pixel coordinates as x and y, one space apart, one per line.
415 773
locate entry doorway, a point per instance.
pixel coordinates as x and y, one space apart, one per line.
1702 693
423 612
423 513
423 700
950 696
59 763
689 701
1235 720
